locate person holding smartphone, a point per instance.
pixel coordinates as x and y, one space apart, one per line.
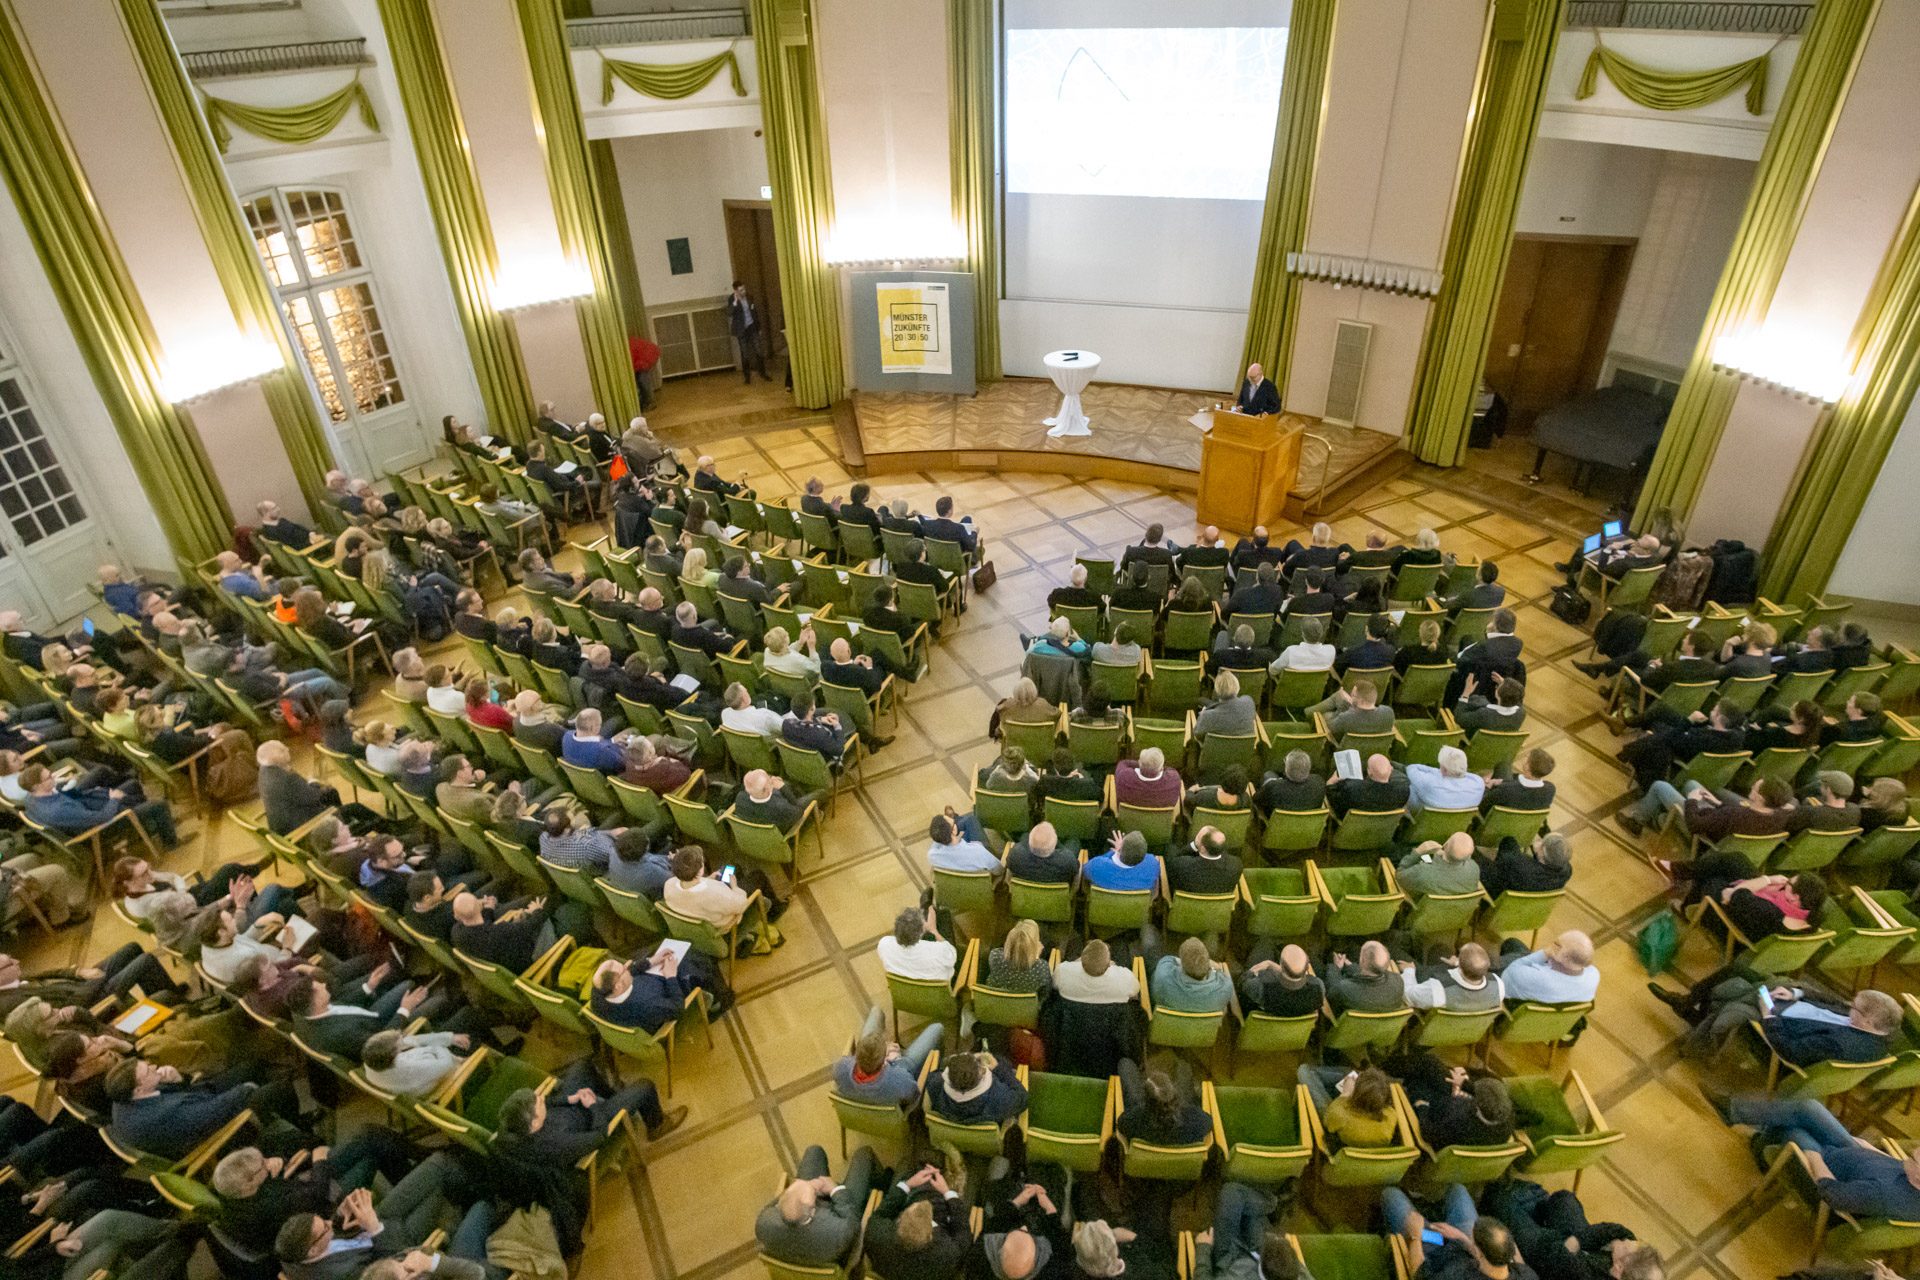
1460 1244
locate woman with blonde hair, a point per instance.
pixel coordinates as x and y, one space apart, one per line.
694 568
1427 653
1424 551
784 657
1017 965
380 741
1884 804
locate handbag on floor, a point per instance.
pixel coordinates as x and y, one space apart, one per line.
985 576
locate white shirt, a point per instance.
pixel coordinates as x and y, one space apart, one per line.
752 719
1304 657
422 1063
384 759
792 663
224 962
447 700
714 901
930 958
1532 978
1116 986
1812 1012
1431 789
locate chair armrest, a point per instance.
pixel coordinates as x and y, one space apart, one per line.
1210 1103
1140 977
963 971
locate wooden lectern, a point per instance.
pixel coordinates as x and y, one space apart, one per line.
1247 468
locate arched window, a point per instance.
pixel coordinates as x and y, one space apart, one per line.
328 294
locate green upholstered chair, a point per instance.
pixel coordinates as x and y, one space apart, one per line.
1069 1119
1264 1133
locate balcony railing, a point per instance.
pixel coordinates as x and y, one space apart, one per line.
658 28
1753 16
266 59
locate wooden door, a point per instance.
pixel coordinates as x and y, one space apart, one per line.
756 262
1555 315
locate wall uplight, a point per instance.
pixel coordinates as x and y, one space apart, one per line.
213 367
1804 366
524 285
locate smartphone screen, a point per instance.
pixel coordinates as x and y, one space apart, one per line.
726 873
1766 1001
1429 1236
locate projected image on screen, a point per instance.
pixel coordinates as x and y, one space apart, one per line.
1181 112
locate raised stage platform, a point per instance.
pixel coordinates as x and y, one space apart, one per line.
1141 434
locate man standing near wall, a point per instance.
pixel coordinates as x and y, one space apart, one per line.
743 318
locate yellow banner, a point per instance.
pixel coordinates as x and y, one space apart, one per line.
916 331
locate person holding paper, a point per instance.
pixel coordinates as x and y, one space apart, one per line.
1257 395
650 992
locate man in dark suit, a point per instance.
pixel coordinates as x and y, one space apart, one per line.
1376 651
1207 553
1384 787
896 517
280 529
344 1028
689 632
738 583
1255 550
1262 593
1040 857
913 567
743 321
1860 721
1814 654
1485 593
1075 594
842 666
814 502
291 801
1526 788
806 726
882 616
1498 654
943 526
1150 550
1375 555
1239 652
652 616
551 424
765 799
1542 867
855 508
1824 1028
1689 666
1133 591
158 1112
1292 788
572 1121
1064 779
1257 395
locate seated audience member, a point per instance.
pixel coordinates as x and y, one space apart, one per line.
1371 984
1454 1105
511 934
1472 1246
1427 650
1440 868
73 812
1243 1243
765 799
1284 988
1526 788
975 1088
741 715
1356 1107
1505 712
1126 866
1292 788
950 848
379 1240
1190 982
258 1193
290 800
1849 1174
1230 712
1446 785
1806 1023
915 948
1041 858
648 992
1093 977
919 1230
1860 721
1358 711
1485 592
1236 650
1075 594
1147 782
1464 982
1827 805
412 1064
1382 790
1158 1108
880 1071
582 745
815 1221
572 1121
1552 1232
157 1111
807 726
1310 653
1064 779
1018 966
1204 866
1010 773
1541 867
1713 813
1562 973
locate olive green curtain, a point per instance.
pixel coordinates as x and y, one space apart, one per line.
230 246
669 80
1675 90
453 193
1851 441
802 197
576 207
110 325
1829 51
973 43
299 125
1506 116
1275 306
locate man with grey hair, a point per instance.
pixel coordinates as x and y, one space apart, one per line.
1446 785
1075 595
1293 788
1540 867
1440 869
1147 783
1371 985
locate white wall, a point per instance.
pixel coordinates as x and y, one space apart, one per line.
1399 86
1693 212
1587 189
1883 553
673 184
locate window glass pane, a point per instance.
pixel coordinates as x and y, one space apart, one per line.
270 238
307 336
326 242
354 324
36 496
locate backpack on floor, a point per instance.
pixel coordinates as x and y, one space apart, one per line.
1570 606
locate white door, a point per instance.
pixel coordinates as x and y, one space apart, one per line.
50 547
330 301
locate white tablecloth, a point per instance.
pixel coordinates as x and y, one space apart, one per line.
1071 376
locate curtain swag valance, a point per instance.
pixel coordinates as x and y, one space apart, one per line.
669 80
298 125
1676 90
